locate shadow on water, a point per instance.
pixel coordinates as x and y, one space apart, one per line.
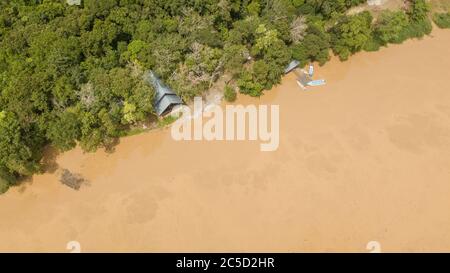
110 147
66 177
23 183
48 162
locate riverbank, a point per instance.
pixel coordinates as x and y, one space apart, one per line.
364 158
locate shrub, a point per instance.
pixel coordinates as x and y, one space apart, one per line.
418 11
167 120
229 94
248 86
390 27
418 29
442 20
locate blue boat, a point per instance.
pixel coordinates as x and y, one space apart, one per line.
316 83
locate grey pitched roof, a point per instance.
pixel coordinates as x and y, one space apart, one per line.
165 97
166 103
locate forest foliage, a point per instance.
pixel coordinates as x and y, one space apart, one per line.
73 74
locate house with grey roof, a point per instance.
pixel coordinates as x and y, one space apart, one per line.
165 98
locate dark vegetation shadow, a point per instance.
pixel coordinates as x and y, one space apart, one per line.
22 183
48 162
110 147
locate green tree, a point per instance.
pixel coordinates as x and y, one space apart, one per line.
248 86
129 113
420 24
442 20
17 154
390 27
314 47
254 8
351 34
64 131
229 93
419 10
